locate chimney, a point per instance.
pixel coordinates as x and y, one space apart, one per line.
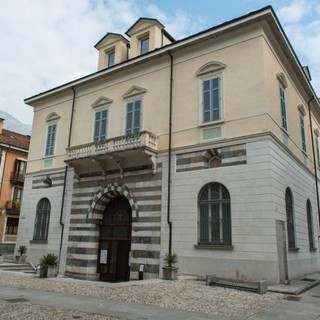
1 125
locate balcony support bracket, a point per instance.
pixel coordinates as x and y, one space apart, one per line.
120 166
102 167
152 160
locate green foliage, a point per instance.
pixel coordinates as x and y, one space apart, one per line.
22 250
170 259
49 259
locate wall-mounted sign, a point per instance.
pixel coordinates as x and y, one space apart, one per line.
103 256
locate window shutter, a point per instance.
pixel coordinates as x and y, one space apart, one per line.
133 122
100 125
50 139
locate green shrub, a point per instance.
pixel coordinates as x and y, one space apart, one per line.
22 250
170 259
49 259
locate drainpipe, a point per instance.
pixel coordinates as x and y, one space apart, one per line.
3 158
170 155
314 158
65 175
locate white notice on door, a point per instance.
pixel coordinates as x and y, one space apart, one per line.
103 256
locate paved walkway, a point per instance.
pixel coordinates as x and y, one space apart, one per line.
305 303
125 310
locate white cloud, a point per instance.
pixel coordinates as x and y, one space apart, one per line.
295 11
179 24
304 36
47 43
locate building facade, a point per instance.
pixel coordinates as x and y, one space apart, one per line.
13 162
206 147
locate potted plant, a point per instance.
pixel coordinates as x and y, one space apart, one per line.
49 266
170 271
21 258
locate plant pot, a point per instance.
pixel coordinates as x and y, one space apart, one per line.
48 272
21 259
170 273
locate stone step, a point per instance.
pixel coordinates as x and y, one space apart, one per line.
26 267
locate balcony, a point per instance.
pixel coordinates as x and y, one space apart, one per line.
12 207
119 153
17 178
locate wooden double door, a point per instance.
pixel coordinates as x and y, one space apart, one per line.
115 241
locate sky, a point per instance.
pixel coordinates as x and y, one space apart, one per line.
46 43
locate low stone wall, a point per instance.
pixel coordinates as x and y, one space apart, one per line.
260 287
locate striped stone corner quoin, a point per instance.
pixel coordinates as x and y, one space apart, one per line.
104 196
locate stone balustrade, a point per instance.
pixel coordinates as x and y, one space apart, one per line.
122 143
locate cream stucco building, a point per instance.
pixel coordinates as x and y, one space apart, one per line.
206 146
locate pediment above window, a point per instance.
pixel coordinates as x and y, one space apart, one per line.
134 91
52 116
281 77
102 101
210 67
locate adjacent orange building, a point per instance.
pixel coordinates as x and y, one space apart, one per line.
13 159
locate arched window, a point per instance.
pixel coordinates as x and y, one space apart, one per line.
310 225
290 219
41 225
214 222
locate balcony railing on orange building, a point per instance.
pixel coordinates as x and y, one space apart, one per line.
13 207
17 177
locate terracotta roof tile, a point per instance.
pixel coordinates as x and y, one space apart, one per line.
14 139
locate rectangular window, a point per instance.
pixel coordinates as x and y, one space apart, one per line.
17 194
303 134
133 117
100 125
12 226
111 58
144 45
284 123
51 136
317 151
211 99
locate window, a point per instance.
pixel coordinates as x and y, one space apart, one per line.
317 150
133 121
41 225
211 99
290 219
111 58
284 123
144 45
100 125
303 134
51 136
12 226
310 224
214 221
17 194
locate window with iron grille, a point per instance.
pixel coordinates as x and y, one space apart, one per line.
310 224
290 219
214 222
41 225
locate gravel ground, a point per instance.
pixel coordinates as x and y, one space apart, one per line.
191 295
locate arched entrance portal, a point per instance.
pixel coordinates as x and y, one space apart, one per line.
115 241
